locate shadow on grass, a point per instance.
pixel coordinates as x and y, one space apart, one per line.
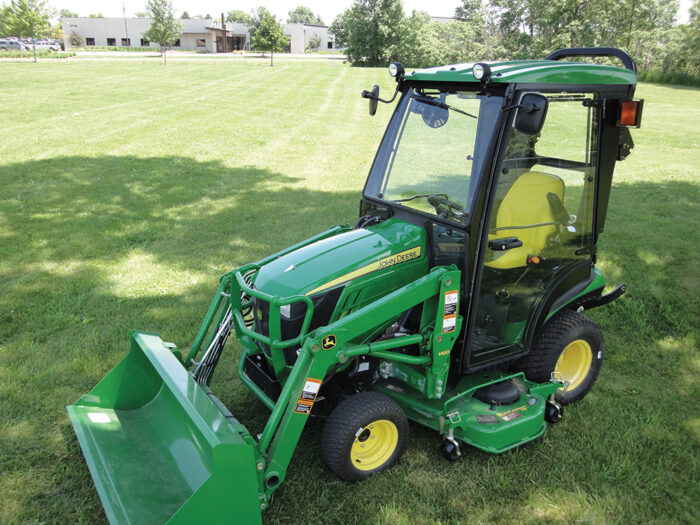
92 247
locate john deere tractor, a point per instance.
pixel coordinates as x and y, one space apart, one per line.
454 302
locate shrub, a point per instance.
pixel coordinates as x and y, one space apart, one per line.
669 77
39 54
75 39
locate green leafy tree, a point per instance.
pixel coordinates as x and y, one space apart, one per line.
238 16
304 15
164 30
56 33
4 13
469 11
66 13
207 17
413 48
339 30
28 18
268 34
690 41
142 14
75 39
98 15
374 29
185 15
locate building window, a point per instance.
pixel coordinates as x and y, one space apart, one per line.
126 42
330 45
89 41
177 43
201 42
111 41
145 43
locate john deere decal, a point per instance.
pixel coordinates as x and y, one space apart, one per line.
398 258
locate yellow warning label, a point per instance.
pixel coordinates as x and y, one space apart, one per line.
398 258
303 407
308 396
449 319
518 409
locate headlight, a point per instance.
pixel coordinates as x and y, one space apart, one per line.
286 311
293 312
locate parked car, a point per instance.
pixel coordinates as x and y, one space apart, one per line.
46 46
13 45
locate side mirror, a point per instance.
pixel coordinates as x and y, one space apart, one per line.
532 111
373 97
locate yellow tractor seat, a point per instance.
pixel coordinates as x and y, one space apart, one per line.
525 213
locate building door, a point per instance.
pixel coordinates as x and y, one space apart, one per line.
542 214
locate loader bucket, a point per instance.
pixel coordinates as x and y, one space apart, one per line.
161 448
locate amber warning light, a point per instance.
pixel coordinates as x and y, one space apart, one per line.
631 113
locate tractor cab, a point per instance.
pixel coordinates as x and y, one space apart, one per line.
508 168
454 302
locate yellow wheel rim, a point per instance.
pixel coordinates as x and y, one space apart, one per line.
574 363
374 444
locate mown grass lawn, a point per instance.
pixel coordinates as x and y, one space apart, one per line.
128 188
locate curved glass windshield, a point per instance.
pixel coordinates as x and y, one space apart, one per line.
434 150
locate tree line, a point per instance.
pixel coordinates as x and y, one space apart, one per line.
376 32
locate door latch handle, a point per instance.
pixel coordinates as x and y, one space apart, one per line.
505 243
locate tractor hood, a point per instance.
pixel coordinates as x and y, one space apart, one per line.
342 258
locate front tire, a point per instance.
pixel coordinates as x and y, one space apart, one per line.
571 347
366 433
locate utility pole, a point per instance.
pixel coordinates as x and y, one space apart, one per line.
224 41
126 29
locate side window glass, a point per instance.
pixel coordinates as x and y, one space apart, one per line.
541 223
546 187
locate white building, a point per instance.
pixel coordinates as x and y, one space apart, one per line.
199 34
302 35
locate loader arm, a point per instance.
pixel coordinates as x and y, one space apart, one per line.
290 412
162 448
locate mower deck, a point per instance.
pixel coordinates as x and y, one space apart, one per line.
489 427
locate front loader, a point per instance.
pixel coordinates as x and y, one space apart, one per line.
454 302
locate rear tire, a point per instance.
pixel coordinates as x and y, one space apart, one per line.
365 434
571 346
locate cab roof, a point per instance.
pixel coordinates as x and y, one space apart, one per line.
530 72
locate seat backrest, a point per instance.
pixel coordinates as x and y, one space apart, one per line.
525 213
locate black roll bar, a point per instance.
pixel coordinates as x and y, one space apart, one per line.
595 52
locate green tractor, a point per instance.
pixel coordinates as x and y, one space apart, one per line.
454 302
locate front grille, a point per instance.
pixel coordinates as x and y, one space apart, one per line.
290 328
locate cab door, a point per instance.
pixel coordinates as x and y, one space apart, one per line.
540 226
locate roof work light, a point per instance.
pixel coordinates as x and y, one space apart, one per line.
396 70
481 71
